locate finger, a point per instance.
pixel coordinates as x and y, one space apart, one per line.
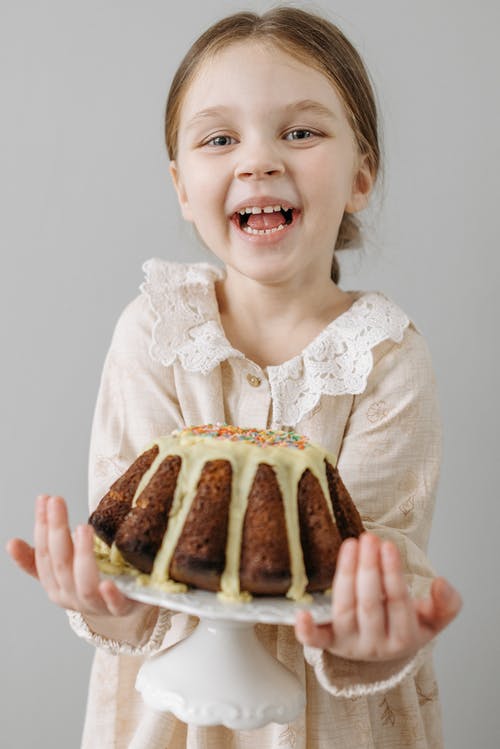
370 593
85 571
440 608
401 619
344 588
42 552
447 600
311 634
117 603
60 545
23 555
424 610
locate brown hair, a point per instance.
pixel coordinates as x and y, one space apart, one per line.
313 40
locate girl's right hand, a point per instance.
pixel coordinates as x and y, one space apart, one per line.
65 565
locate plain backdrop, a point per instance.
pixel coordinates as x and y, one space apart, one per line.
86 198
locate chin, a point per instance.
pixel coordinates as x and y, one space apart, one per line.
264 270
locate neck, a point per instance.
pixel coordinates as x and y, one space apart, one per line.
271 323
288 302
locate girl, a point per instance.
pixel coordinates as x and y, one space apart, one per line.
271 130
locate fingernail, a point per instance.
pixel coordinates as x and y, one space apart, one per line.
389 551
349 543
53 507
41 509
348 548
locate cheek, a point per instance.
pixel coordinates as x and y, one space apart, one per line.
204 191
328 177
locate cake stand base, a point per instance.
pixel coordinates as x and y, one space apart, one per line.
221 675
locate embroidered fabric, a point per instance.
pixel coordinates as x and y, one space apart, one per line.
115 647
337 362
187 325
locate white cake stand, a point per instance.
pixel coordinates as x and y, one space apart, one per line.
221 674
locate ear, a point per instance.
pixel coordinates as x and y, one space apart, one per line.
180 190
362 186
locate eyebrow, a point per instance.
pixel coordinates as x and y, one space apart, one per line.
309 105
303 105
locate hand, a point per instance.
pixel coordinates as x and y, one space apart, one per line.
373 616
65 565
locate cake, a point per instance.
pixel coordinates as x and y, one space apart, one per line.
222 508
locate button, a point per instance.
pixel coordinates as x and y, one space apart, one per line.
253 380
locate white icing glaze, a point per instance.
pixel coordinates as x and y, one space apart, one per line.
288 462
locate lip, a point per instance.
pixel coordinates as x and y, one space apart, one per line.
264 239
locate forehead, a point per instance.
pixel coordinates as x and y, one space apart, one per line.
257 76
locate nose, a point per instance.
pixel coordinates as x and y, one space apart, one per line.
257 161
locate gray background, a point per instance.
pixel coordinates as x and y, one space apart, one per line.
86 198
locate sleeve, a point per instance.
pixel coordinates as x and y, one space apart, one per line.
136 402
390 462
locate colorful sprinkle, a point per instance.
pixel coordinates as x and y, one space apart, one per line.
261 437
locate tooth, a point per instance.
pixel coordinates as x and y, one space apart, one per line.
256 210
249 230
242 212
277 207
268 209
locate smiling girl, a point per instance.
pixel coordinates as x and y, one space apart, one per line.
271 130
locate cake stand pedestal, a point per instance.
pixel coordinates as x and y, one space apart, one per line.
221 674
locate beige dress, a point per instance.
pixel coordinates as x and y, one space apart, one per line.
363 388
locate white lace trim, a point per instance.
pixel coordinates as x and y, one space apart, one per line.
82 629
187 323
337 362
316 658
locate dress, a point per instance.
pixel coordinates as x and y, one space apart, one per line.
364 388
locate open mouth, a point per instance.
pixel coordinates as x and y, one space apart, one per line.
269 220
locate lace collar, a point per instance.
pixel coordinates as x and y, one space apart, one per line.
337 362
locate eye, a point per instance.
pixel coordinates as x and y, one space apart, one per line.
220 140
300 134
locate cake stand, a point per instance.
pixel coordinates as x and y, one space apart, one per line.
221 674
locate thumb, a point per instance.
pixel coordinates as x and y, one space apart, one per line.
309 633
442 606
23 555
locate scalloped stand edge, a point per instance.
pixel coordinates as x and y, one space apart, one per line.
221 675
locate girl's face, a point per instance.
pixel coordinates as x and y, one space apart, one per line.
260 130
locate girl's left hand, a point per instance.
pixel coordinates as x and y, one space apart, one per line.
374 617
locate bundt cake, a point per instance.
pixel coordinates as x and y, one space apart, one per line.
228 509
